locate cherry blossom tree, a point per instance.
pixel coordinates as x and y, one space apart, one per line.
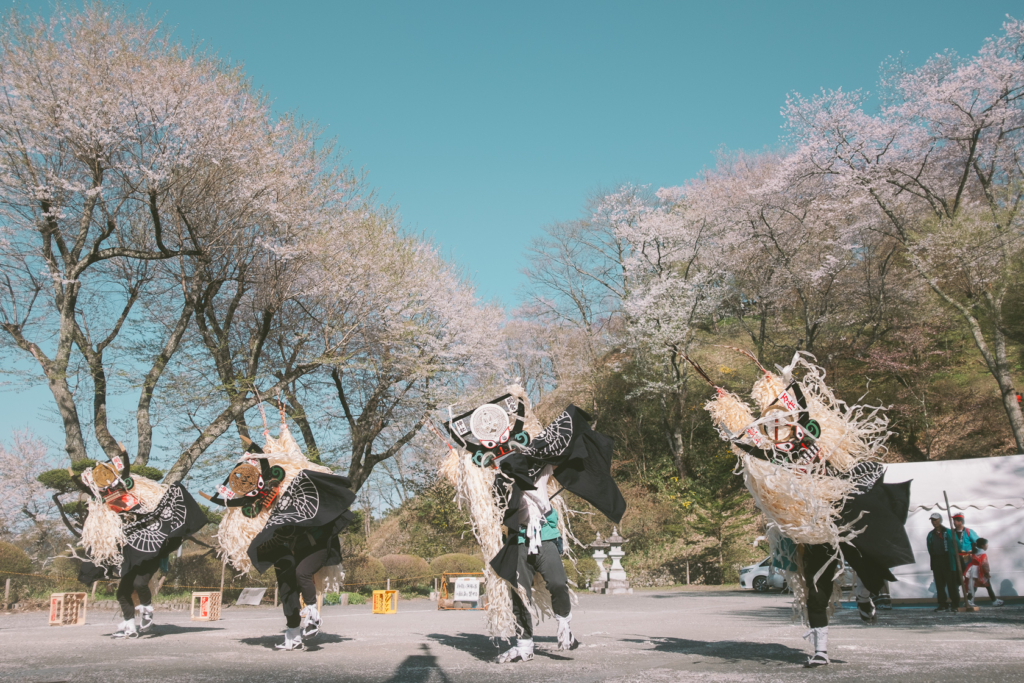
939 170
411 334
146 195
674 283
26 502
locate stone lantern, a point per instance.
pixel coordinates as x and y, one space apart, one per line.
599 546
617 583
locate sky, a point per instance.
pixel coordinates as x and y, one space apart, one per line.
484 121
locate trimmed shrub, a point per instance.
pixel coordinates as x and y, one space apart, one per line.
148 472
583 573
198 570
14 563
14 560
406 571
363 573
335 598
454 563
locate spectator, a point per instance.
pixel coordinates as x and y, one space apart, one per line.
966 540
979 575
942 551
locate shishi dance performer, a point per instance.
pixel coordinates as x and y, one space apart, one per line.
811 463
286 512
133 524
509 472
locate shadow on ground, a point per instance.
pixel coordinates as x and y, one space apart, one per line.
160 630
706 594
268 642
728 650
476 644
419 668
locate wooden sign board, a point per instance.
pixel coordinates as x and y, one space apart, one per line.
251 596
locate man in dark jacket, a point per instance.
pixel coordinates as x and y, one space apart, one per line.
941 550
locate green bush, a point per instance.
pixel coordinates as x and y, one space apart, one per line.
406 571
60 481
194 571
456 563
363 573
14 563
64 568
583 573
335 598
147 472
14 560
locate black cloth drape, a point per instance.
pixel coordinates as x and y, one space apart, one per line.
315 505
152 534
581 460
882 542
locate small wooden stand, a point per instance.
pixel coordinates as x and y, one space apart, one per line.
209 606
385 602
67 609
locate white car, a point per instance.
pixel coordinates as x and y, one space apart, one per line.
762 577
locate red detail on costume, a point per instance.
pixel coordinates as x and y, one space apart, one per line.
267 497
122 503
980 561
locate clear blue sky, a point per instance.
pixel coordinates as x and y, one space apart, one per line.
484 121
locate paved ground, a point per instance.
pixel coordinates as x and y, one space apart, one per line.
651 637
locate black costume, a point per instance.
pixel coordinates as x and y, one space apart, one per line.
881 544
824 493
150 537
578 458
300 536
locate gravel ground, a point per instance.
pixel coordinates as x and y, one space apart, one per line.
651 636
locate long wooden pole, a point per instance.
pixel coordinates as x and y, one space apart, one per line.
223 568
956 547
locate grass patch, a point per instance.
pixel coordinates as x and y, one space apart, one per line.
353 599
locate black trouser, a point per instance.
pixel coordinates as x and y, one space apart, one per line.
947 581
549 564
295 577
136 580
987 587
818 592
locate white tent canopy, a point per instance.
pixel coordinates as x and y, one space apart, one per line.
988 492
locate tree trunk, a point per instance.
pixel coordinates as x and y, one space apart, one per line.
1007 388
298 413
74 440
143 425
997 362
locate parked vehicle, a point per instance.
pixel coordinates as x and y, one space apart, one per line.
762 577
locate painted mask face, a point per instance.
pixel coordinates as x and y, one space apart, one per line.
106 477
245 479
487 430
253 485
794 435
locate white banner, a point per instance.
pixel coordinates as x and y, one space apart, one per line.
467 589
250 596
